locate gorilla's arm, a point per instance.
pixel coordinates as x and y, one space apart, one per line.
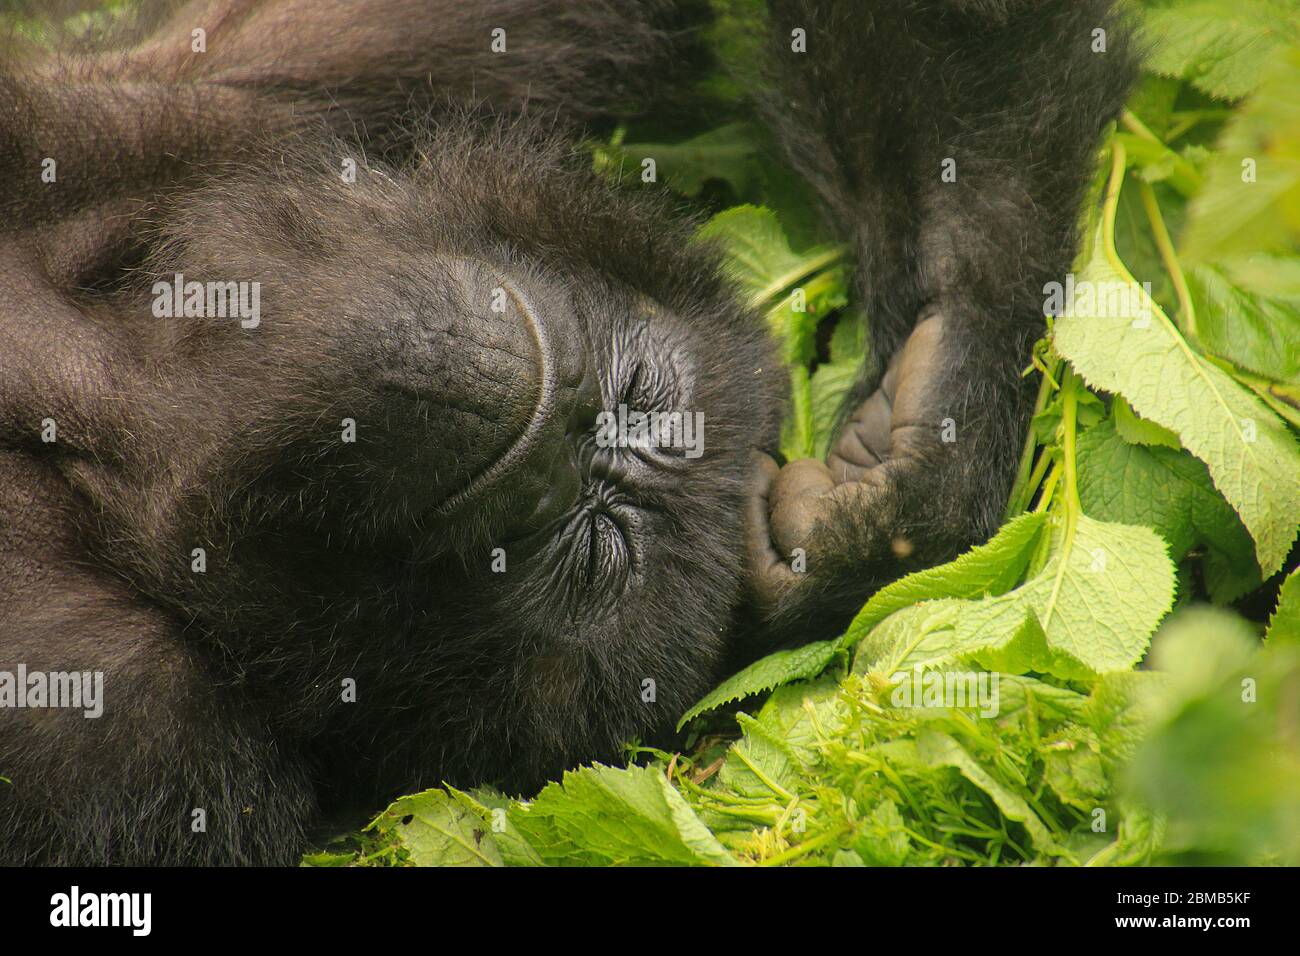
200 82
952 141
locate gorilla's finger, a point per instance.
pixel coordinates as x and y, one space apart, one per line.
864 443
797 503
769 574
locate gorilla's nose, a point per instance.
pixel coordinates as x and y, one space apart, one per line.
507 383
471 371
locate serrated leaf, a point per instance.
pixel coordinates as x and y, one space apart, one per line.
438 830
883 837
799 663
1120 711
759 256
989 569
798 714
1072 767
1219 45
760 764
494 809
1251 455
601 815
1016 693
1091 609
1251 330
1284 625
1102 593
1171 493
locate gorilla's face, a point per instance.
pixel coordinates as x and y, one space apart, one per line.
494 425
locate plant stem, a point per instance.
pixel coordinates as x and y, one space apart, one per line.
807 846
1186 308
1027 476
1069 425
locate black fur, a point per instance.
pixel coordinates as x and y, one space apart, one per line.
1013 92
371 561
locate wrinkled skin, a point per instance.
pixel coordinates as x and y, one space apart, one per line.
370 543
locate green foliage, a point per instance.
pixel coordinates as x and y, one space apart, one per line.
796 291
1131 348
783 667
1221 46
1221 762
1284 625
1171 493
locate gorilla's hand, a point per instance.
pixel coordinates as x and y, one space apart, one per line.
889 442
963 235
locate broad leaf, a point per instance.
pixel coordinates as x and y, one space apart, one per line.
989 569
1171 493
1221 46
799 663
1139 354
603 815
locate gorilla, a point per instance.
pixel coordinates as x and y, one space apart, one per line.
310 316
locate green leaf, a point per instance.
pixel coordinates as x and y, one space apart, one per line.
602 815
1237 214
883 837
1091 609
1249 329
438 830
1251 455
1284 625
799 663
798 439
759 256
989 569
941 750
1220 46
797 289
494 809
1015 693
833 380
1215 762
1101 594
1120 711
1072 767
760 764
1171 493
798 714
1138 431
728 154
